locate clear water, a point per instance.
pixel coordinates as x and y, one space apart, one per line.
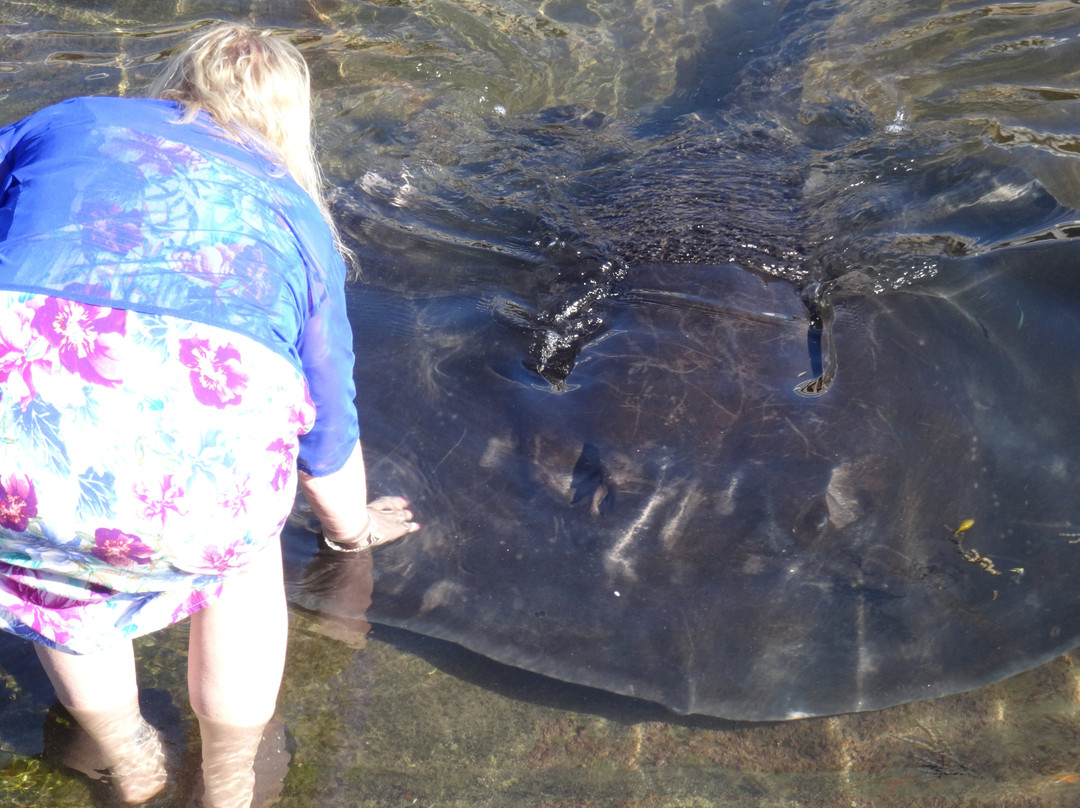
810 140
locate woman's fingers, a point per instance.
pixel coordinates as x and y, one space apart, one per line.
392 517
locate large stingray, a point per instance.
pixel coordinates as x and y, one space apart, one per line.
742 501
727 492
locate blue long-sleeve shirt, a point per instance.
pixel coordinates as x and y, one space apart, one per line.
114 202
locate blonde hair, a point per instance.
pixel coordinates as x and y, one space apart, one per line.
253 84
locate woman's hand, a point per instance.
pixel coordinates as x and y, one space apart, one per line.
348 525
390 519
386 519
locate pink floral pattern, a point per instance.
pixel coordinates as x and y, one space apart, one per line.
301 417
47 613
120 549
153 155
82 336
216 379
285 452
226 557
215 259
158 504
24 355
169 498
112 229
235 502
18 501
198 599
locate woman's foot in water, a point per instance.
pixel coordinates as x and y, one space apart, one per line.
141 776
242 766
119 747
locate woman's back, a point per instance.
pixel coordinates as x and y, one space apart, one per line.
114 202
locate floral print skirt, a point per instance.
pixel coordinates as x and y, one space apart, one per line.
143 459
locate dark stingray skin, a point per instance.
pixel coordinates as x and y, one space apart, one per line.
744 500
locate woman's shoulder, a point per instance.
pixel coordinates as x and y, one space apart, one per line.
103 109
75 120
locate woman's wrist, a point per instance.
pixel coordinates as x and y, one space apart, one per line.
361 540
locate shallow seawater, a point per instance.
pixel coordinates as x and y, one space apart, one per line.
412 722
875 139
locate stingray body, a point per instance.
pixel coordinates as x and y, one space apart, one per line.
744 500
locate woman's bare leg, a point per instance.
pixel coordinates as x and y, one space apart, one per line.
100 692
236 656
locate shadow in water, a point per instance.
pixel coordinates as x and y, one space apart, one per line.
543 691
